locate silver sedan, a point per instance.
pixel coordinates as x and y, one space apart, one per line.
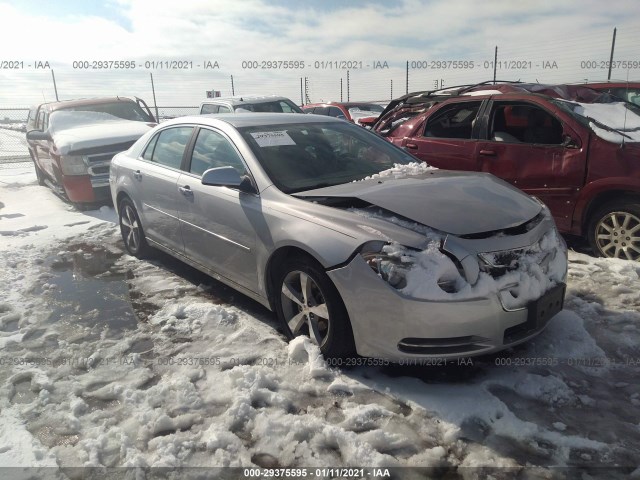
342 235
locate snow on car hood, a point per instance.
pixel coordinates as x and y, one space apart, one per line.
452 202
69 138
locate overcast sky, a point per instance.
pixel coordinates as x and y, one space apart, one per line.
558 35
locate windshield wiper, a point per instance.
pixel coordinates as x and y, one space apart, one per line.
611 129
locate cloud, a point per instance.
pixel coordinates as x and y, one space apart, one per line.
231 32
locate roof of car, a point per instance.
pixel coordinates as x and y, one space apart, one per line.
341 104
612 83
242 99
254 119
85 101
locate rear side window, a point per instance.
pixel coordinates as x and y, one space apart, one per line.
453 121
168 146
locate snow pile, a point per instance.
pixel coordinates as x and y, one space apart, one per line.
402 171
615 115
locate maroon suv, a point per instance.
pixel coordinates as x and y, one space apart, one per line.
581 159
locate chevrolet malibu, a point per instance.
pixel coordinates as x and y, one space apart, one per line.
343 235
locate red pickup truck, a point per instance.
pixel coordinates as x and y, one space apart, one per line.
72 142
581 159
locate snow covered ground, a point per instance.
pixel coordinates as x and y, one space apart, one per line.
109 361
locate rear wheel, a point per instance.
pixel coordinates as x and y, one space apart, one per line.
614 231
131 230
308 303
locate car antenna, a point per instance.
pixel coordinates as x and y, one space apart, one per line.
624 125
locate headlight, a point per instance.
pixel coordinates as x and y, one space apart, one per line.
392 263
389 263
73 165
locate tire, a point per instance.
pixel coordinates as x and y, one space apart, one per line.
317 310
39 172
614 230
131 230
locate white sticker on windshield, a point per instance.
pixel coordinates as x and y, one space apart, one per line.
272 139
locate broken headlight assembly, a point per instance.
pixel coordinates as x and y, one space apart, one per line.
392 263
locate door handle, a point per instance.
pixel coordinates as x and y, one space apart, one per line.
186 191
411 146
137 175
490 153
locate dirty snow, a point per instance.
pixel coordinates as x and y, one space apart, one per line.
112 361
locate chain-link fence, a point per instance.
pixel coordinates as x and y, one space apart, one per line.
13 144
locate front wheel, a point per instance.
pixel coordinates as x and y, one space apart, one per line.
39 172
307 303
614 231
131 230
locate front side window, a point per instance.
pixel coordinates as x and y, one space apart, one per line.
453 121
40 121
523 123
336 112
169 146
213 150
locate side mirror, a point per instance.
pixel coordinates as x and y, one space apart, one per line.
569 142
38 135
227 177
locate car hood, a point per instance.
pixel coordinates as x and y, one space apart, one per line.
83 137
452 202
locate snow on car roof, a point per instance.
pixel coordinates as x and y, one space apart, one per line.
483 92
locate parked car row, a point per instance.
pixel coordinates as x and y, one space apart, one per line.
309 214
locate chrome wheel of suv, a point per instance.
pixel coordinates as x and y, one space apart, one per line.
616 232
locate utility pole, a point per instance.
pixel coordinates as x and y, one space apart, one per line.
155 105
495 65
55 87
613 46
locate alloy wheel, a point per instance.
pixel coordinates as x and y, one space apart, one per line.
130 228
617 235
304 306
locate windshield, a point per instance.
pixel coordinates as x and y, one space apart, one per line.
277 106
615 122
121 110
313 155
